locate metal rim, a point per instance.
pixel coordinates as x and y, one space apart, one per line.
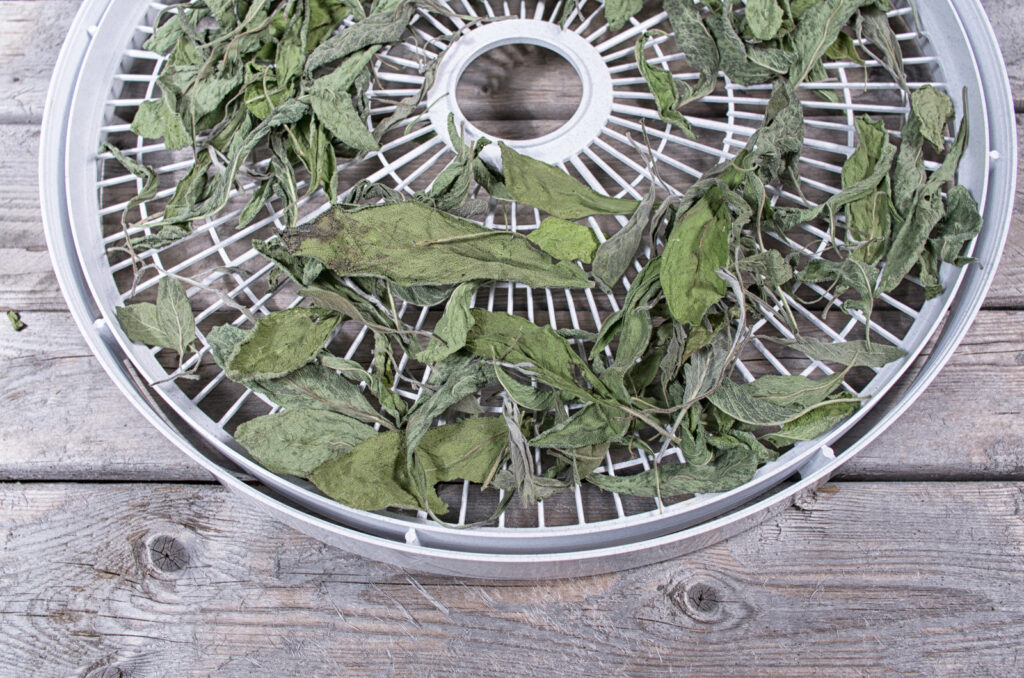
644 545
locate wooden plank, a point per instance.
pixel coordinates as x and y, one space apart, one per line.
1008 24
26 274
919 579
33 33
968 423
64 419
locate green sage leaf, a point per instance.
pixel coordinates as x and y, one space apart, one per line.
169 323
565 240
548 188
296 442
413 244
281 342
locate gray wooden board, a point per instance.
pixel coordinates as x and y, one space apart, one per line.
167 580
152 579
29 44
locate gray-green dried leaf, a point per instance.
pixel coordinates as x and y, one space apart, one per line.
297 441
743 403
377 29
697 247
451 330
730 470
312 386
616 253
17 324
524 395
550 189
374 474
595 424
140 170
169 323
764 18
618 12
281 342
734 59
812 424
918 199
868 218
873 24
537 351
413 244
565 240
817 30
662 85
695 41
852 353
934 110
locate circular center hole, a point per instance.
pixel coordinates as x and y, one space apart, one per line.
519 92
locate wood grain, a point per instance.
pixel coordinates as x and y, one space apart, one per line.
1008 23
63 418
31 39
155 577
27 282
866 579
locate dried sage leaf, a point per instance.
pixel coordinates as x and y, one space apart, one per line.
729 470
374 475
662 85
452 329
764 18
297 441
281 342
616 253
17 324
413 244
695 41
565 240
851 353
595 424
618 12
169 323
550 189
812 424
535 351
696 248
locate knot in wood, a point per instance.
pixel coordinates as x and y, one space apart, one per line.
106 672
167 554
700 599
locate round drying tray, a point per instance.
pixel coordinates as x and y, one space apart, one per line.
104 73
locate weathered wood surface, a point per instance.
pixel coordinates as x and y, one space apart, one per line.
159 577
31 38
162 580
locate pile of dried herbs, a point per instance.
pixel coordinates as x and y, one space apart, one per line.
287 81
